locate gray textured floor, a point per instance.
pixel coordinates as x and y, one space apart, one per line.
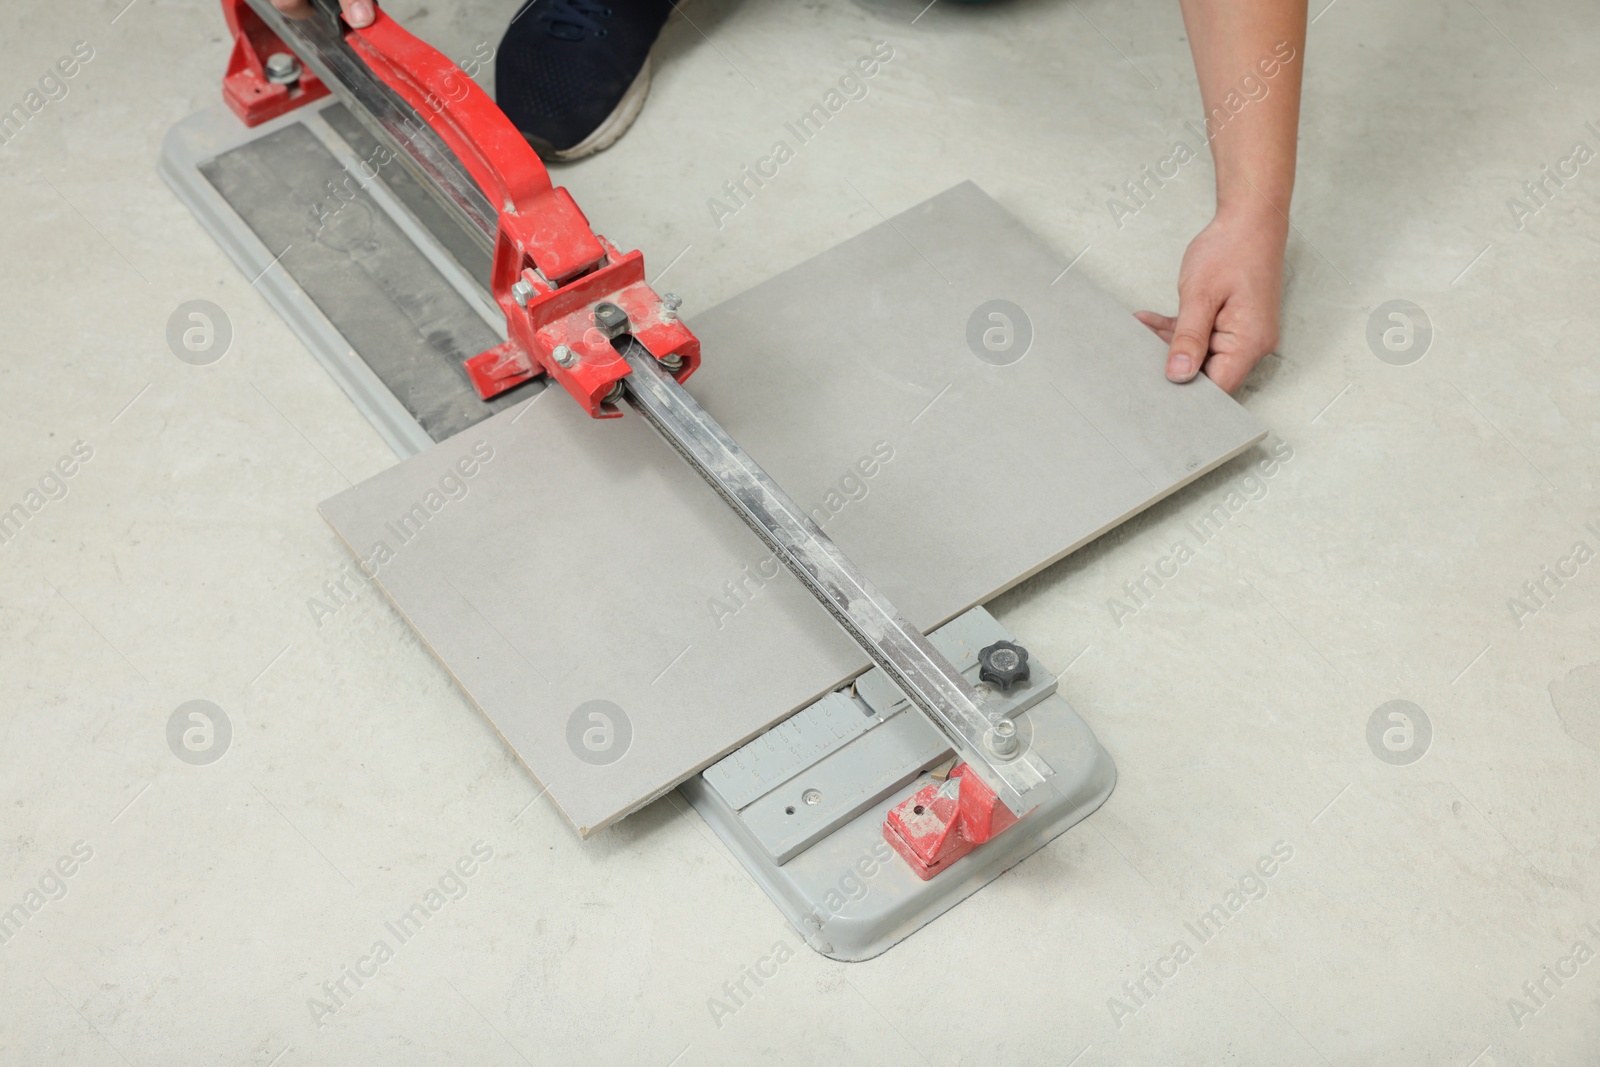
1408 904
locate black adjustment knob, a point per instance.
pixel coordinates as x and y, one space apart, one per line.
1003 664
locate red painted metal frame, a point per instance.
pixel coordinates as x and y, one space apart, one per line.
938 824
542 237
245 87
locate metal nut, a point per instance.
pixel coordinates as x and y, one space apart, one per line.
670 303
282 68
564 355
1002 738
671 361
522 292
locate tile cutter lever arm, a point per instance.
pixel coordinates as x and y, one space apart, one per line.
580 311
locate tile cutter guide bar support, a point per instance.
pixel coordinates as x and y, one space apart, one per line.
581 312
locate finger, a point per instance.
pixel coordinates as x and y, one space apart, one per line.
1160 325
295 9
1238 356
359 13
1191 335
1230 369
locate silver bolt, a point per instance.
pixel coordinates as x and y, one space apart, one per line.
564 355
1002 738
670 303
282 68
671 361
522 292
811 796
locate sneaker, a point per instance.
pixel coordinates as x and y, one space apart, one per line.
572 75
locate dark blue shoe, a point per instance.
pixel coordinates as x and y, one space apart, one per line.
572 75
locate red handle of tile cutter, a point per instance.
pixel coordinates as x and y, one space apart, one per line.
541 239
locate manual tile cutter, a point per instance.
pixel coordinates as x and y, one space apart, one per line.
580 312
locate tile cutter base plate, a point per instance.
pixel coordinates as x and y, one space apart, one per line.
803 806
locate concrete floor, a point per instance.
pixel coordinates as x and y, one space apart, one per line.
1379 563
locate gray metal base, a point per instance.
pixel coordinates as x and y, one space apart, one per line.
386 290
803 805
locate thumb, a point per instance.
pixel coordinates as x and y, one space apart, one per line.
1191 336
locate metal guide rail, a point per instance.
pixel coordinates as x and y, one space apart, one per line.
982 735
320 46
581 312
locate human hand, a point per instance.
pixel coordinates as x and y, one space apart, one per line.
1229 289
357 13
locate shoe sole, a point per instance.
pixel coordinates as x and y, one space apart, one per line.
615 125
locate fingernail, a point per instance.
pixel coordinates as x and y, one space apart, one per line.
360 13
1180 368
